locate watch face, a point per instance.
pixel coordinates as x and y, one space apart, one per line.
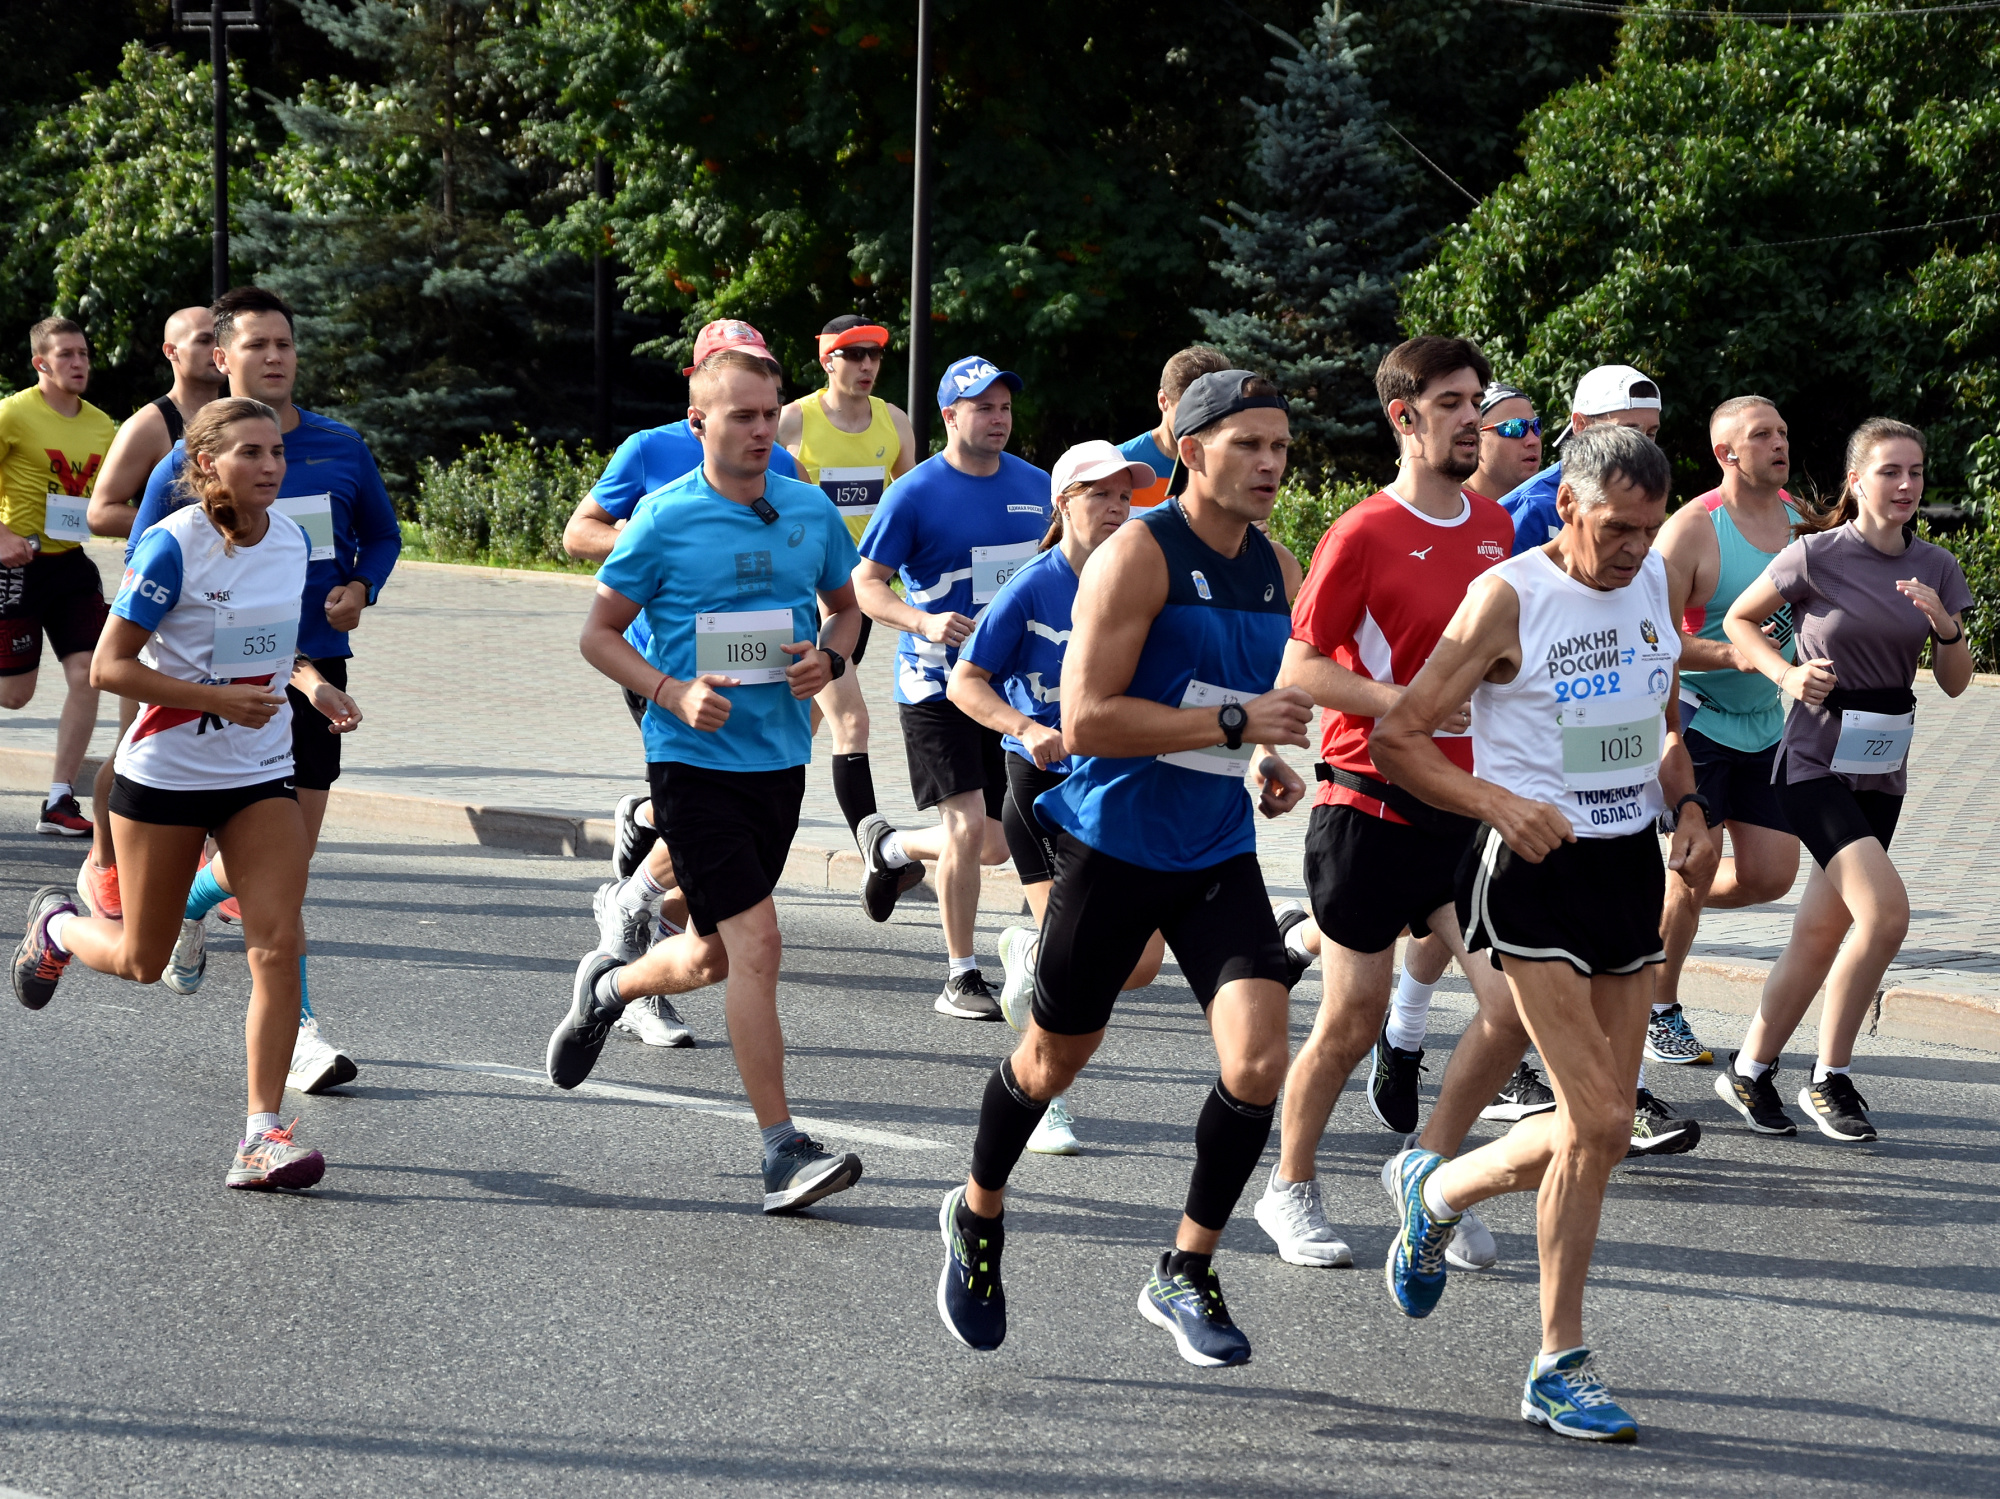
1233 714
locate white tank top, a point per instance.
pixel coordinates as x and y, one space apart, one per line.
1581 723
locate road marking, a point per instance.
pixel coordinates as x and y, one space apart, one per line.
837 1129
7 1493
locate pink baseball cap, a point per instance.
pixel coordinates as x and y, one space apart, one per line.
728 333
1088 462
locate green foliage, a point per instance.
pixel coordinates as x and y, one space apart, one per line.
504 501
1977 549
1306 509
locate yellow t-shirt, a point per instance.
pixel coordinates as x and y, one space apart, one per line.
852 467
45 456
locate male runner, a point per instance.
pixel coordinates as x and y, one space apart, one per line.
956 528
332 488
1385 580
147 436
52 445
1567 651
1610 393
1155 447
1732 716
1169 695
852 444
1510 441
726 563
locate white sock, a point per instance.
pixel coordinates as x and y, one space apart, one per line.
1547 1361
1434 1199
256 1124
891 852
55 926
1409 1013
644 816
670 928
640 893
1821 1072
57 791
964 965
1662 1009
1295 943
1642 1072
1748 1066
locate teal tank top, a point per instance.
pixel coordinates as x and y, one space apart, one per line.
1742 709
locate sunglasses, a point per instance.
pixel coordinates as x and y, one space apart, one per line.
1516 426
857 353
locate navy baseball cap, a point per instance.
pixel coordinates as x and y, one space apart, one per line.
970 377
1207 401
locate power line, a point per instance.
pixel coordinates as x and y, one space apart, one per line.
1431 164
1676 13
1828 239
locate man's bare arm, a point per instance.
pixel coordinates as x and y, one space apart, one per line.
135 452
1694 564
591 533
1333 685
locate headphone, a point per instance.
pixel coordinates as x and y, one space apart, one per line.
696 424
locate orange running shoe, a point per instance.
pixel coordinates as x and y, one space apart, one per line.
99 889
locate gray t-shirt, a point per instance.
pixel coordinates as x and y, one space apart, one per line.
1844 600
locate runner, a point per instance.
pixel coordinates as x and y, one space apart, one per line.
725 562
1155 447
1018 651
1610 393
1385 580
1510 442
1168 701
52 444
147 436
956 528
1715 546
330 487
212 752
1568 655
1866 595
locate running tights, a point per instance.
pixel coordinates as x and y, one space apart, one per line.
1228 1139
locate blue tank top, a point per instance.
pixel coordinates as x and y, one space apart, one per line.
1224 626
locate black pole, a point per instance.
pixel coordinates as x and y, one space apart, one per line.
923 396
218 53
600 266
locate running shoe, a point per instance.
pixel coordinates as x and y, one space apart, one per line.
317 1064
1658 1130
228 912
1471 1245
968 997
624 933
579 1038
1017 962
631 839
969 1296
651 1018
1415 1268
1838 1109
63 818
1524 1094
1571 1401
1289 915
273 1160
1056 1134
883 885
1295 1218
1756 1099
98 889
38 962
804 1171
1670 1039
1195 1314
1392 1084
189 959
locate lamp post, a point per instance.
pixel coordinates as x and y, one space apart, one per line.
600 270
218 23
923 398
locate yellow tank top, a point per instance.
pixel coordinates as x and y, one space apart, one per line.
852 467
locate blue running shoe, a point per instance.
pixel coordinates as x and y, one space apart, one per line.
1571 1401
1415 1267
1192 1309
969 1297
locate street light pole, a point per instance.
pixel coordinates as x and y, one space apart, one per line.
923 398
218 23
600 269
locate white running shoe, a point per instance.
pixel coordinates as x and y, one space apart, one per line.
1017 960
1471 1245
1295 1218
653 1020
1056 1134
189 960
621 931
317 1064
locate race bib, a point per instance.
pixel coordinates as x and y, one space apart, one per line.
67 518
1873 744
992 566
854 491
1215 759
1608 744
315 513
255 642
747 645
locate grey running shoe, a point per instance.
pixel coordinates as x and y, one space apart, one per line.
579 1038
38 962
1670 1039
1471 1245
1838 1108
1295 1218
624 933
1056 1134
1525 1094
882 885
272 1161
652 1019
1755 1098
631 839
968 996
189 960
803 1172
1658 1130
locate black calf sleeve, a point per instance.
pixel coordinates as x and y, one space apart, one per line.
1007 1116
1228 1139
854 788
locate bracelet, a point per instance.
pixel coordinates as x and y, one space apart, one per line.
1940 640
655 697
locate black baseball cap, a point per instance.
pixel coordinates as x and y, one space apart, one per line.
1207 401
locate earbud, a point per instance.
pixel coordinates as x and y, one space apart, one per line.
1406 419
695 424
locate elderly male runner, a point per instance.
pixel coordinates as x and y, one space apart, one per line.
1567 652
1178 629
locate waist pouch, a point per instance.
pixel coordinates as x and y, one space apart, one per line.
1871 700
1417 813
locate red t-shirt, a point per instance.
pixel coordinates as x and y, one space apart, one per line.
1385 581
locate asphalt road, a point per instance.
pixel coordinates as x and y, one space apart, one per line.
504 1289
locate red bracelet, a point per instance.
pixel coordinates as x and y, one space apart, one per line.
656 691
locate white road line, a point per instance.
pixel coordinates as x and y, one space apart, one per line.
836 1129
7 1493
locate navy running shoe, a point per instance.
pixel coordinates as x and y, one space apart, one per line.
1192 1309
1415 1269
969 1295
1571 1401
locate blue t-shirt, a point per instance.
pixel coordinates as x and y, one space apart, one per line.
1533 506
648 460
1021 639
688 551
357 539
928 526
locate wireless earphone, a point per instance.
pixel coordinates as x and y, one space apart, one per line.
695 424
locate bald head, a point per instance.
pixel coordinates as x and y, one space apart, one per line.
189 346
1751 444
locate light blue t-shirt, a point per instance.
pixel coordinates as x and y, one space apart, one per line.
651 459
1021 640
1533 506
689 552
955 538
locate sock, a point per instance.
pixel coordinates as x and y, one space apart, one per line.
1662 1009
1435 1202
777 1137
606 993
1409 1013
1821 1072
1747 1066
641 892
1642 1072
1547 1361
205 894
1007 1116
891 852
670 928
854 788
964 965
1228 1138
57 791
1295 943
1187 1262
256 1124
53 930
305 1004
974 1227
644 816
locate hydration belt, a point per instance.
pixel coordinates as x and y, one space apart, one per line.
1418 814
1871 700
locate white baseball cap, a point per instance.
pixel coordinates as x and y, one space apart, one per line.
1615 387
1088 462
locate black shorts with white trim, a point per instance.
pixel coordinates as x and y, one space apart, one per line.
1593 904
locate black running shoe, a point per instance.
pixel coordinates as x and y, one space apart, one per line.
1838 1109
577 1041
803 1172
38 962
1291 914
1524 1094
967 996
1756 1099
969 1297
882 885
1192 1309
631 839
1392 1084
1658 1130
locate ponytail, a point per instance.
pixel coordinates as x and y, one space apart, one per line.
1054 535
1847 505
208 433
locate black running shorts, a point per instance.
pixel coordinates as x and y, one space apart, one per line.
1736 782
728 832
315 748
1103 911
1031 841
207 810
1369 877
61 596
1828 814
951 753
1593 904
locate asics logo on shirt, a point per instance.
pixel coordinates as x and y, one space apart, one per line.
1267 593
1424 555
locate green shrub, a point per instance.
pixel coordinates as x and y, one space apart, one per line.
1977 549
1303 512
505 501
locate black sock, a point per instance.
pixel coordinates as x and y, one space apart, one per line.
854 788
1007 1116
1185 1262
1228 1139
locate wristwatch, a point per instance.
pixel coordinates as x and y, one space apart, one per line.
839 661
1233 720
1707 812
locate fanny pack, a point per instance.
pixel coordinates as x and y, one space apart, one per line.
1417 813
1871 700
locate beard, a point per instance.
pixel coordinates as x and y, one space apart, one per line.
1455 468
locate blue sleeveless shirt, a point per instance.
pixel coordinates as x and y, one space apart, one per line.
1224 626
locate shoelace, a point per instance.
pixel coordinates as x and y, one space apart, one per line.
1525 1083
1650 1104
1840 1089
1058 1117
975 983
1585 1388
1303 1205
1675 1023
